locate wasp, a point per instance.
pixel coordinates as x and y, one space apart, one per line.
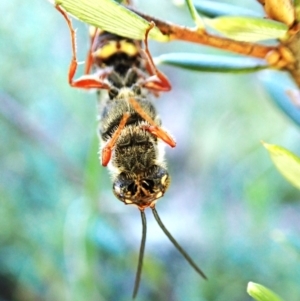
132 138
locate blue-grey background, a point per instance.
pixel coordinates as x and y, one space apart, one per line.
64 236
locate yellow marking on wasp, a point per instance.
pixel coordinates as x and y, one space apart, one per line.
159 195
163 179
113 47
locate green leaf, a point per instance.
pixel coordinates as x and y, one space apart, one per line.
195 16
279 86
248 29
286 162
212 63
215 9
261 293
111 16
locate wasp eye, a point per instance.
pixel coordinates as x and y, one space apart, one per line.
113 92
148 184
132 188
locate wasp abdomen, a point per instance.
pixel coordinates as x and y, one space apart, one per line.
113 112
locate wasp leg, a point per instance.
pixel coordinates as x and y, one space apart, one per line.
152 128
89 58
86 81
157 81
107 150
160 133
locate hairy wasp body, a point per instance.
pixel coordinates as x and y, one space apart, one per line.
137 162
129 128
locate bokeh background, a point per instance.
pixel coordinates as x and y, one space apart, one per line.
64 236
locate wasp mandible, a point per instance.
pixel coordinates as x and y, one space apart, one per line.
130 129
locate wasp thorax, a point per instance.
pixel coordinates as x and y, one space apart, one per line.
142 189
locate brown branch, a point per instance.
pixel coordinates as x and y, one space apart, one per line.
183 33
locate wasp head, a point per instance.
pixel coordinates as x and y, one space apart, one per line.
142 189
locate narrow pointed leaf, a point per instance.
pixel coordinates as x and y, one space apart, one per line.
211 63
195 16
111 16
261 293
216 9
286 162
279 86
248 29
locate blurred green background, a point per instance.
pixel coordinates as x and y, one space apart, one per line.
64 236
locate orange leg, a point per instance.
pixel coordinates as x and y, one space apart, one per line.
152 128
107 150
89 57
157 81
86 81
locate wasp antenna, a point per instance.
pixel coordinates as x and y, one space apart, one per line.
141 255
175 243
